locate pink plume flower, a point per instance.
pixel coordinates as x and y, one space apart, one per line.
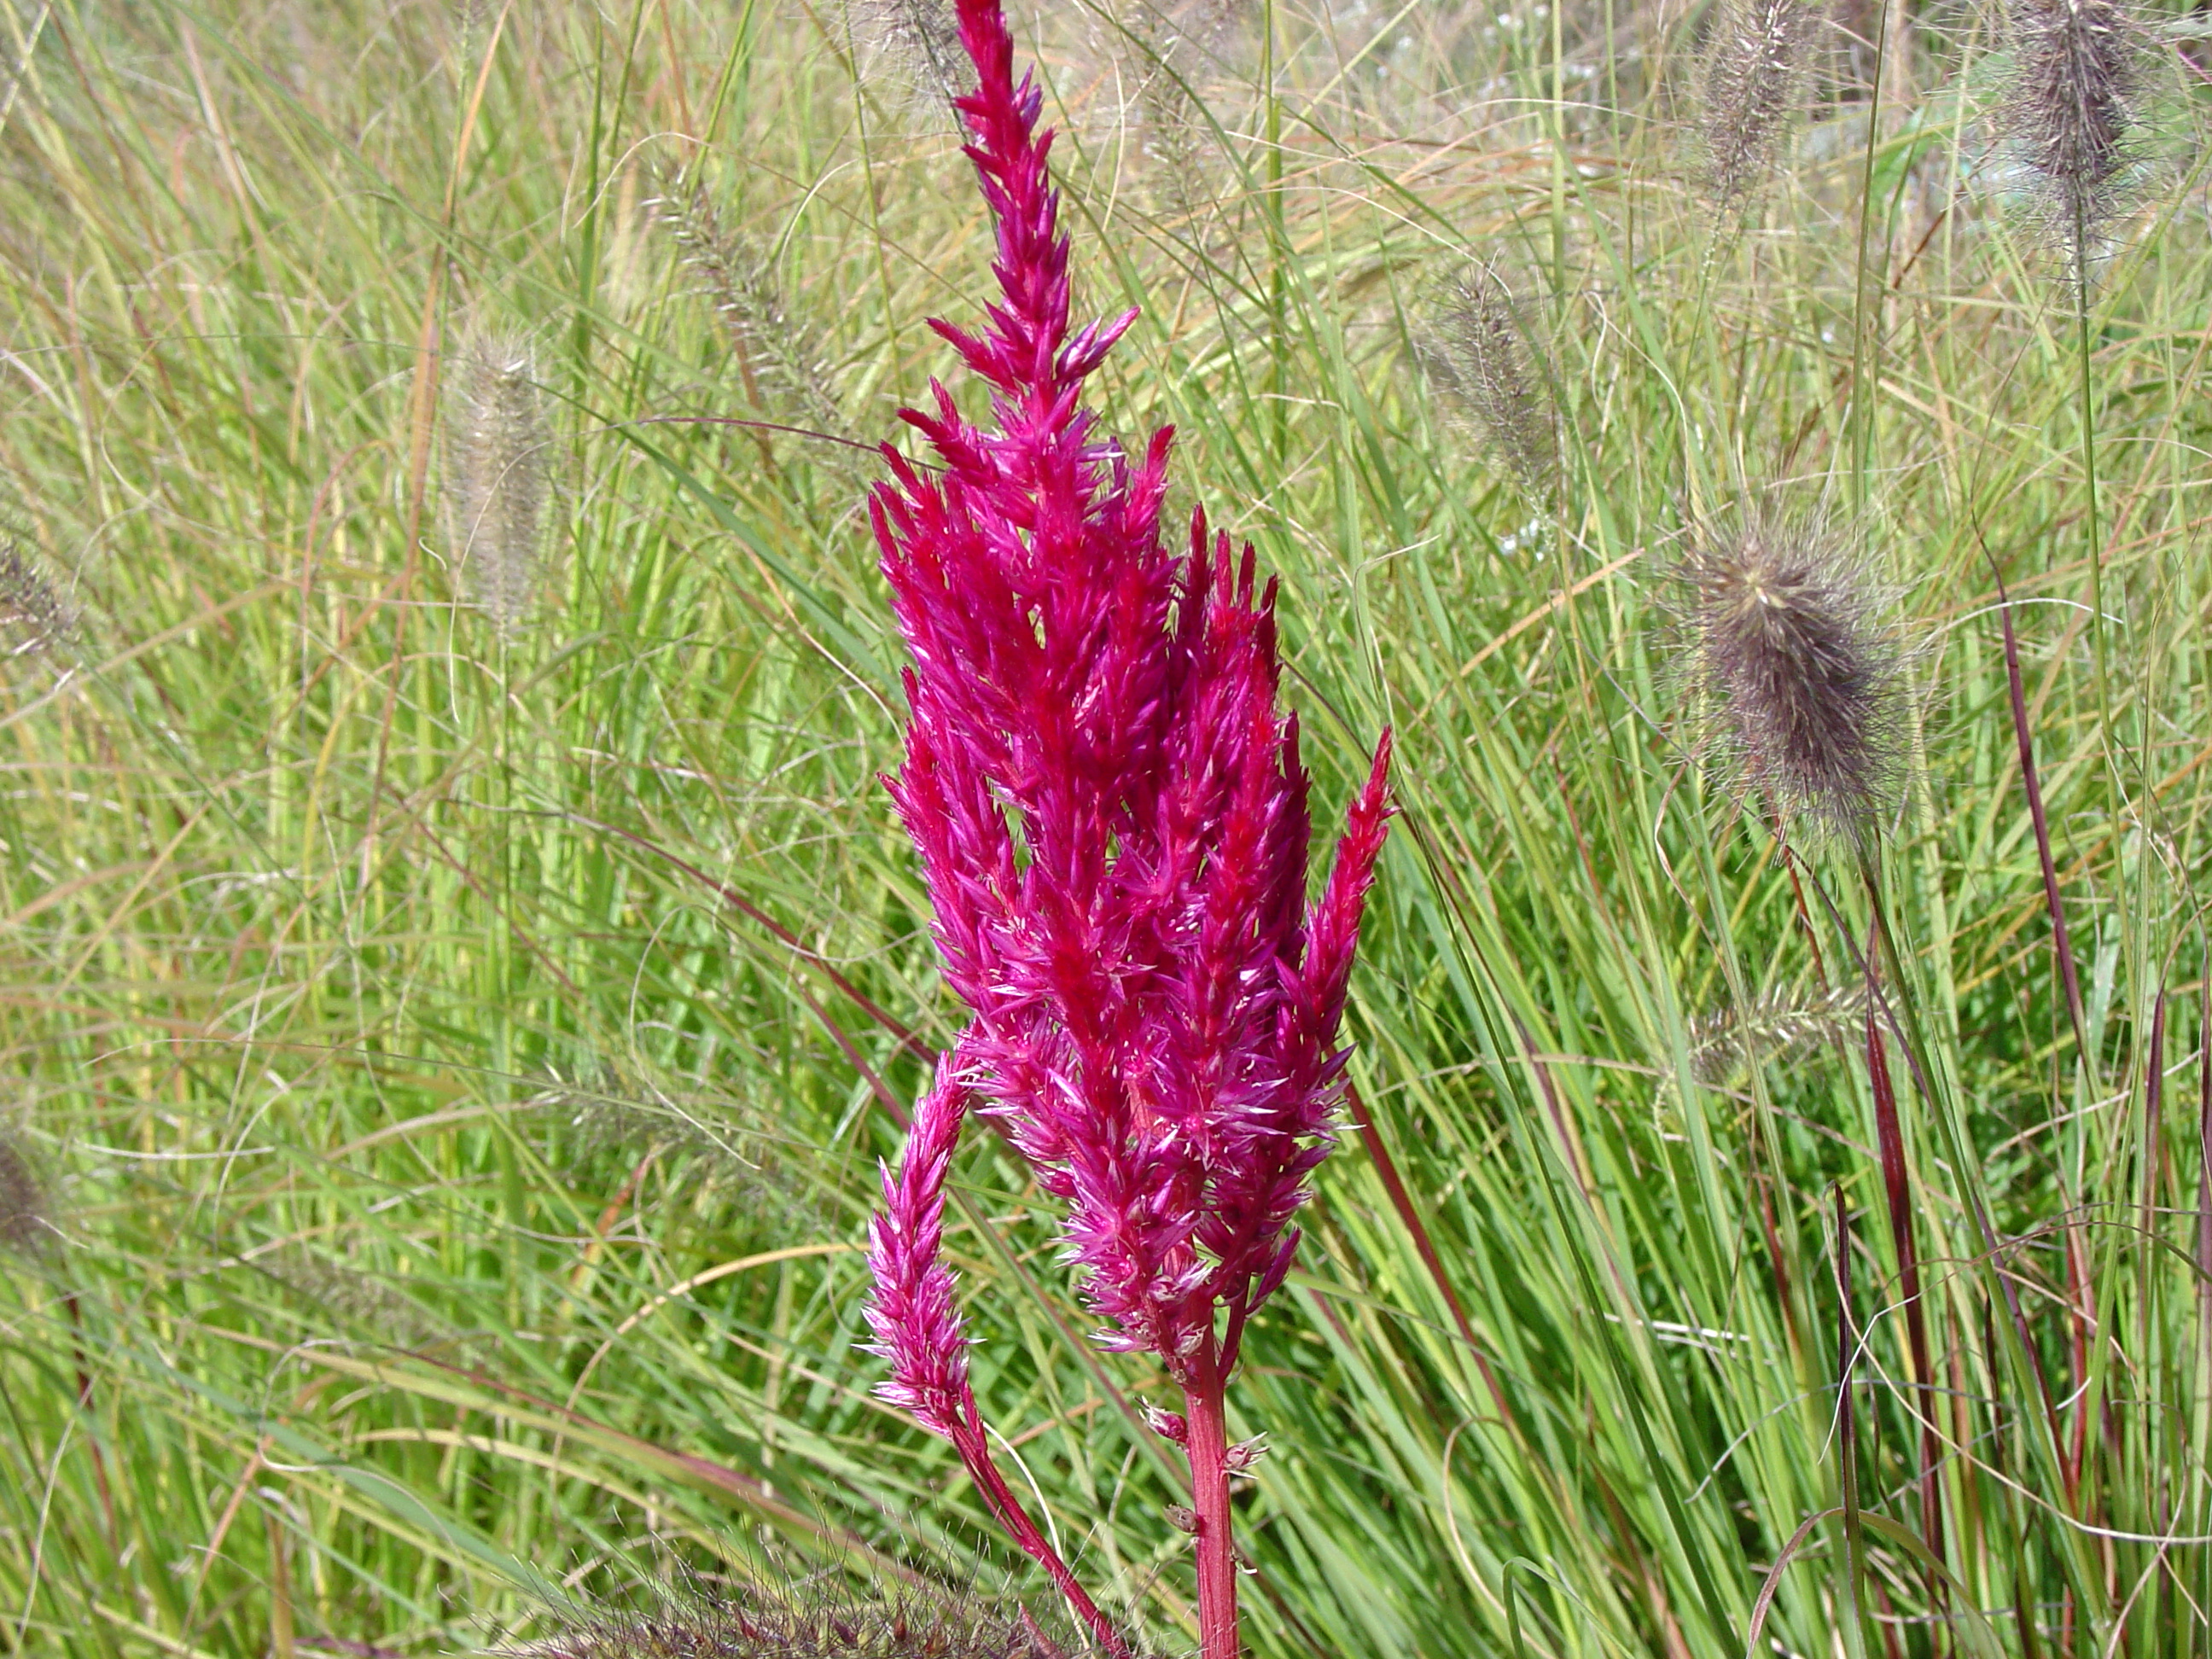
1113 823
912 1313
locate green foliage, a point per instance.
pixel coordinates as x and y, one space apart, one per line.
453 1063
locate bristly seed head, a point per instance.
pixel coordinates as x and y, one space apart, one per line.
27 1225
1772 1026
1752 72
775 357
810 1621
918 40
34 618
2070 112
500 461
1476 352
1786 646
338 1293
1176 47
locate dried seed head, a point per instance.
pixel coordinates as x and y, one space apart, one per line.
777 359
726 1149
472 21
34 618
1770 1027
1476 352
918 41
1176 46
500 463
1751 76
1786 645
809 1621
342 1291
27 1225
2069 114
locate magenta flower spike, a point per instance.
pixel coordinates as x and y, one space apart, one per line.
1113 824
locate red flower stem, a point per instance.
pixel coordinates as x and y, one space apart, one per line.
1205 1410
1897 1193
975 1454
2062 944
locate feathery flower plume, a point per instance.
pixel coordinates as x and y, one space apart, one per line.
725 1146
2070 112
27 1225
34 618
919 40
775 357
1112 818
500 460
1476 352
1751 75
343 1291
1786 645
1771 1027
806 1621
1176 46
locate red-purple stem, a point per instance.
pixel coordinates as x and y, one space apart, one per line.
1889 1135
2060 943
1206 1411
969 1440
1847 1438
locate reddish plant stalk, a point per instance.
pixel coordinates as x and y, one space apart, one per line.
1889 1135
975 1456
1205 1409
1847 1435
1401 1202
2062 944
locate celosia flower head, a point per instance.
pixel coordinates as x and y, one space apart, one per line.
1112 818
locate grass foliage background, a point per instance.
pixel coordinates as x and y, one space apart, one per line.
458 1059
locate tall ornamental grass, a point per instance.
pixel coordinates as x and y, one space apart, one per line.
463 975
